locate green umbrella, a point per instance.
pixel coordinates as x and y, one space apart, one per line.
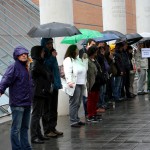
86 34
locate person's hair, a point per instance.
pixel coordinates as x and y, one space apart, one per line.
89 41
71 52
92 50
99 49
129 47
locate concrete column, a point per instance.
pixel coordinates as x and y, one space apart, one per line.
58 11
114 15
143 15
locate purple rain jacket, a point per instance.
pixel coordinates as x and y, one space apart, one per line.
18 80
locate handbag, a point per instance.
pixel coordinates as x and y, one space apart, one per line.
61 72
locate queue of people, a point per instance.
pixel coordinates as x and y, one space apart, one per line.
96 75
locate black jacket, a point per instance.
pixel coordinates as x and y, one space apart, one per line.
42 79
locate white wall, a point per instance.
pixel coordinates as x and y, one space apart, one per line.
114 15
143 15
58 11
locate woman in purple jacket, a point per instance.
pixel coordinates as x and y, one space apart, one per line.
18 80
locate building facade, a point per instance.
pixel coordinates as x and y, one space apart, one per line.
89 14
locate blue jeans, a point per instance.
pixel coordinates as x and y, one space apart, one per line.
101 101
19 128
85 105
116 83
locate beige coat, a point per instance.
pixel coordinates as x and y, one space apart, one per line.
141 62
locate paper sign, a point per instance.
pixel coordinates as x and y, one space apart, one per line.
145 52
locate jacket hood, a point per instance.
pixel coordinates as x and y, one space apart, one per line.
19 50
44 41
36 52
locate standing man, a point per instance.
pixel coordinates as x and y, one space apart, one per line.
49 118
142 66
18 80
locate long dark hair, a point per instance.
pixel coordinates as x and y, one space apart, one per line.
71 52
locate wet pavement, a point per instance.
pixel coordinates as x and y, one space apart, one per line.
125 127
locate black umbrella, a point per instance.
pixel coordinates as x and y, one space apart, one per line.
54 29
117 33
133 38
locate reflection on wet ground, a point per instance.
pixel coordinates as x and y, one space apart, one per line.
127 127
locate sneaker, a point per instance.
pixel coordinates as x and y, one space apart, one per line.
58 132
141 93
81 123
92 119
98 117
51 134
76 125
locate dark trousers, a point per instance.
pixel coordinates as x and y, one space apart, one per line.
148 79
49 118
126 84
37 112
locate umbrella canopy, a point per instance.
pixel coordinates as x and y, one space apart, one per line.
117 33
54 29
133 38
107 37
145 34
86 34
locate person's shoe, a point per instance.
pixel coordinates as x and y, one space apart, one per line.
51 134
37 141
100 110
76 125
98 117
43 138
141 93
81 123
58 132
92 119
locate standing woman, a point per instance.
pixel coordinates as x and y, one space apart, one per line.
75 74
18 79
93 84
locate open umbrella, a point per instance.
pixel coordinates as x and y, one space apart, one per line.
117 33
86 34
107 37
54 29
133 38
145 34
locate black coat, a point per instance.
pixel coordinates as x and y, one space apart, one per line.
42 79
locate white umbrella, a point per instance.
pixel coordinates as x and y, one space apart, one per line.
145 34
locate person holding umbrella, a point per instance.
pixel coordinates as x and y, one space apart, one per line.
49 118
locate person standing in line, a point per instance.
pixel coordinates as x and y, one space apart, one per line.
49 118
142 66
93 83
18 80
83 57
132 71
41 81
75 75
